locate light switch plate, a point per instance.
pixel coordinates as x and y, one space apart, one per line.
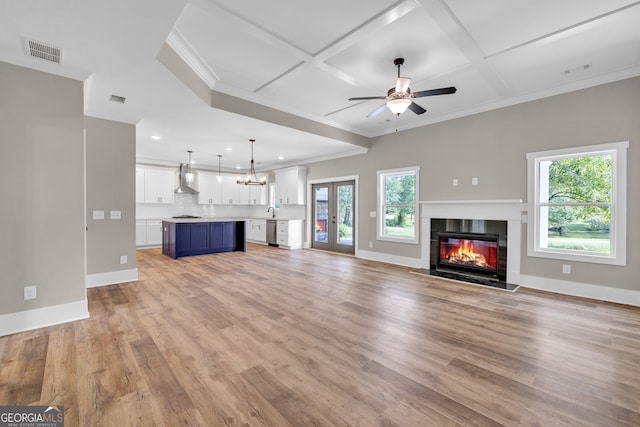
30 292
116 214
98 214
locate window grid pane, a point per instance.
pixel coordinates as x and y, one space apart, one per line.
575 203
398 210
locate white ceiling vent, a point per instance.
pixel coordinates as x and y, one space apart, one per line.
117 98
44 51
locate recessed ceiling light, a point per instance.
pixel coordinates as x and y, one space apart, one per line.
237 167
228 149
281 158
156 137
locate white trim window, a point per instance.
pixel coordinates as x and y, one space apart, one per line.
578 204
398 205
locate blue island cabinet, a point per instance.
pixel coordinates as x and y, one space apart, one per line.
181 239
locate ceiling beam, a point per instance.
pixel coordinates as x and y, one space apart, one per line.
246 108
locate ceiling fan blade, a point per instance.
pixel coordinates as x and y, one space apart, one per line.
433 92
364 98
376 111
416 108
402 84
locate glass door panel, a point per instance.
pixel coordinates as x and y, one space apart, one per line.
321 214
333 216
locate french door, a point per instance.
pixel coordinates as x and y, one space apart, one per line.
333 216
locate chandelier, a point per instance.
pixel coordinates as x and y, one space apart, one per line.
251 178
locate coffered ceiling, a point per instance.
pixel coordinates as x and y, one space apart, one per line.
287 68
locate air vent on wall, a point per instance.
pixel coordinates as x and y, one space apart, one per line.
44 51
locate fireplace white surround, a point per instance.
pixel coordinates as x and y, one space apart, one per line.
498 210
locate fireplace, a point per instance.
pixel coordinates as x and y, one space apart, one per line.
470 250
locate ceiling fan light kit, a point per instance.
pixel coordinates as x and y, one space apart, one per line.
400 98
398 106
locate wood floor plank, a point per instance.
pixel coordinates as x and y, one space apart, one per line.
161 379
271 337
25 362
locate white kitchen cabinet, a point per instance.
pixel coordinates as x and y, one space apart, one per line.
148 232
154 232
209 188
257 230
230 191
244 194
290 185
225 191
252 194
289 233
141 232
158 185
139 184
259 195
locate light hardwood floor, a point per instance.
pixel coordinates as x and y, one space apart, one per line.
307 338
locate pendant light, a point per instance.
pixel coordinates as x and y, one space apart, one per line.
251 178
189 176
219 177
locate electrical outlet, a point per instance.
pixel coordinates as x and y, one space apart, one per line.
370 244
123 259
566 268
30 292
455 182
474 181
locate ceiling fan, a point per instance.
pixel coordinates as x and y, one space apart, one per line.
400 97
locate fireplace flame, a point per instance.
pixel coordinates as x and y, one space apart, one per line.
464 254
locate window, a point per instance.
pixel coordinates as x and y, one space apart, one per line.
398 205
577 204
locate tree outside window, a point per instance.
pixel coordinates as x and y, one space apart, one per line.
398 205
578 203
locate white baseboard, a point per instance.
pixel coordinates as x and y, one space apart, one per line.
585 290
42 317
111 277
390 259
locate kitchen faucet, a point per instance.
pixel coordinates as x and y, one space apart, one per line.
273 215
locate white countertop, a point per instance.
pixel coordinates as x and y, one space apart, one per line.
215 219
206 219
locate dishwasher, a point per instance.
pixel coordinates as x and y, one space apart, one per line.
272 225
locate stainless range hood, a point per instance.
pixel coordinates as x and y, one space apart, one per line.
183 187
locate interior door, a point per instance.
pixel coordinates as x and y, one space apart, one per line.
333 216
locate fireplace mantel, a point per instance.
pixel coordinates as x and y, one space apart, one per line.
500 210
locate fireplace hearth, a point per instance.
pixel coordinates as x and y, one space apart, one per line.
470 250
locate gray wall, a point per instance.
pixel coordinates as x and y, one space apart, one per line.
492 146
111 174
42 188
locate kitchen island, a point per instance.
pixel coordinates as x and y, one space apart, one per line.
198 236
